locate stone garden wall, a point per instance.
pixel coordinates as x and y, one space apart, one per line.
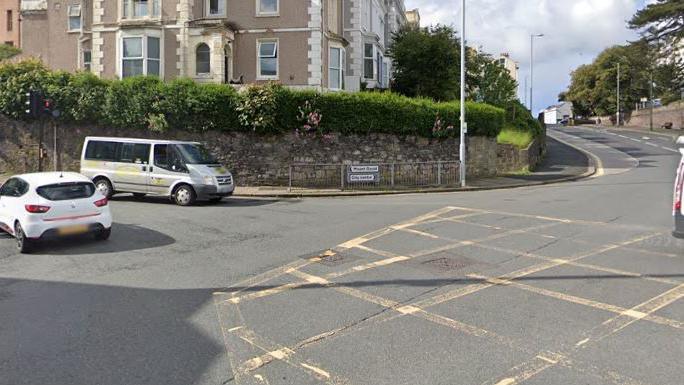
253 159
512 159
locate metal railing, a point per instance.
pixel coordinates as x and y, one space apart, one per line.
380 176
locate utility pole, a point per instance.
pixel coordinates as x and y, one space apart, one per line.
617 122
650 87
464 125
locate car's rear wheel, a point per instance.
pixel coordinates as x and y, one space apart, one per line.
103 234
104 186
24 245
184 195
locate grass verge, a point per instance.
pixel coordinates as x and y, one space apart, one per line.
520 139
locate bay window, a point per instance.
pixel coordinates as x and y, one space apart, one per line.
141 55
368 62
203 59
336 68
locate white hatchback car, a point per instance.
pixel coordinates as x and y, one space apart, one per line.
52 205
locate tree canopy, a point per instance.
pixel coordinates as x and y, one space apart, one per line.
593 87
663 19
427 63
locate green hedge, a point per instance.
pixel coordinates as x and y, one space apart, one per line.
147 102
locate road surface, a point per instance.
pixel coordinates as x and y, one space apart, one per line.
575 283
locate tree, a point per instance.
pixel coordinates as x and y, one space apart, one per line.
426 62
663 19
493 83
593 87
8 51
563 96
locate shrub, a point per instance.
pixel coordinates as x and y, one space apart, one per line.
149 103
520 119
257 107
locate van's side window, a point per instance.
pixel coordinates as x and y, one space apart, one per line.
167 157
99 150
135 153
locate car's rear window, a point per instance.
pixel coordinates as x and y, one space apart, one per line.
66 191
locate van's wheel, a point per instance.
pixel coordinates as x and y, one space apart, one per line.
104 186
24 245
184 195
103 234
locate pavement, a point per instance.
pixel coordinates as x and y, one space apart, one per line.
563 163
570 283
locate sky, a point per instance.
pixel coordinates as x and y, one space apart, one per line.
575 32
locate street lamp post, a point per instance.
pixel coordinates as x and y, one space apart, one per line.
617 122
532 36
464 126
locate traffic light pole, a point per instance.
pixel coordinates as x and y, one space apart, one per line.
54 144
40 145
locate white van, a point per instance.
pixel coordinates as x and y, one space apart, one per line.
184 171
678 209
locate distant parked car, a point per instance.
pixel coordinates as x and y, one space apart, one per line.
184 171
678 209
564 122
52 205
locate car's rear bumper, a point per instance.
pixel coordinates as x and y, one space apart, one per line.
37 228
54 233
679 226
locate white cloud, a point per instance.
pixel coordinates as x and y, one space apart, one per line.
575 32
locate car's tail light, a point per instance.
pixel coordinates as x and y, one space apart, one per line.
37 209
101 202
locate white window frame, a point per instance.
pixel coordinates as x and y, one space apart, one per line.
144 34
74 11
129 5
202 74
341 68
222 9
371 58
259 76
261 13
87 65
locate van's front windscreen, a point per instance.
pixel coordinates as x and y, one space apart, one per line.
195 154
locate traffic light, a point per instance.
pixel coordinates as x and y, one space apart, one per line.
34 100
48 106
38 105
